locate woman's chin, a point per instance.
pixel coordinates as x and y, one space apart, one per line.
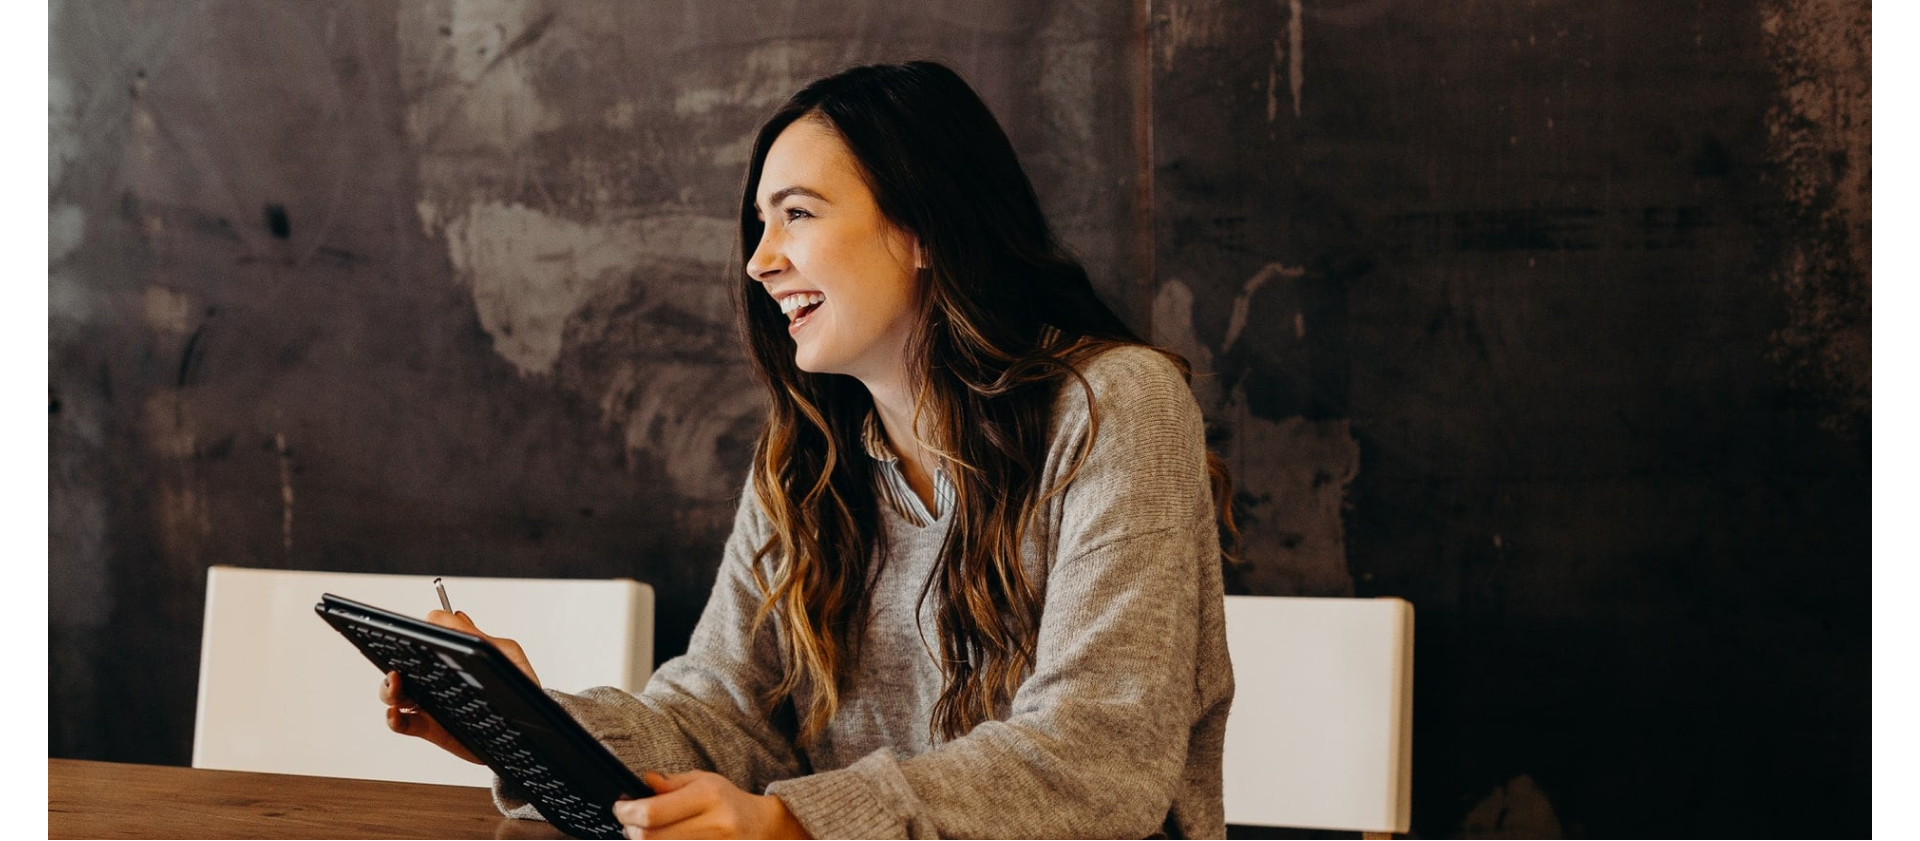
809 362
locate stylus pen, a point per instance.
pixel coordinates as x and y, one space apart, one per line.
442 590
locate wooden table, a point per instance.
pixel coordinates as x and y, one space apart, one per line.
113 800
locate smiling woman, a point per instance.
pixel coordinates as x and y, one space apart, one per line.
974 585
845 274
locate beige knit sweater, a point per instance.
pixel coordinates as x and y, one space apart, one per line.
1117 732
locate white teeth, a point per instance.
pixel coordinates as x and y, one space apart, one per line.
792 303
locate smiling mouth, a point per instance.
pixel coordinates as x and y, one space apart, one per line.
798 307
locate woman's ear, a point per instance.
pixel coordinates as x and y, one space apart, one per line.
909 242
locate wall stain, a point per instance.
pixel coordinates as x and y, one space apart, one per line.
277 222
285 455
1514 809
1291 472
530 272
1820 137
1647 228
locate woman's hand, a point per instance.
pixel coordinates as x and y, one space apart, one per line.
701 804
406 718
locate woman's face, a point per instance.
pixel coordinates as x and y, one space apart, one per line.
844 275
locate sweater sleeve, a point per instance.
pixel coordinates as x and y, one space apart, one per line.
1096 740
702 710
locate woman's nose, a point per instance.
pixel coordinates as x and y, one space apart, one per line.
767 260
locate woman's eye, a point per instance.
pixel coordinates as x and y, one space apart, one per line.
793 213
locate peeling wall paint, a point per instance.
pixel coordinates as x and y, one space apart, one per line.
1291 474
442 287
560 226
1550 317
531 272
1820 134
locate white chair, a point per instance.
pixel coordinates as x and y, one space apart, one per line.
1321 732
283 692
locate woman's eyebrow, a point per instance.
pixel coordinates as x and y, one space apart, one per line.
783 193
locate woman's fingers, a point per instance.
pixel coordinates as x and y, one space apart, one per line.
702 804
407 719
393 696
403 715
420 725
662 783
454 620
673 804
459 621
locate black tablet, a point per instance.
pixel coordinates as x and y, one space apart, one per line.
491 706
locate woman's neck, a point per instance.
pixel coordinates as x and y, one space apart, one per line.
894 403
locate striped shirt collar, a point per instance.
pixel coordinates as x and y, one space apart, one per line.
894 488
893 478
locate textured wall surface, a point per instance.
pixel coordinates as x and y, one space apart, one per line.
1553 319
1550 317
441 287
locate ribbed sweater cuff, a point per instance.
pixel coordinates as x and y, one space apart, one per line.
868 799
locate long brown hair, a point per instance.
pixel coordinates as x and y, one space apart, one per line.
1007 317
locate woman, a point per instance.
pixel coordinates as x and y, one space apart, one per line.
973 587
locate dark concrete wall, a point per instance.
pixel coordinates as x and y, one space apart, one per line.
1552 318
1549 317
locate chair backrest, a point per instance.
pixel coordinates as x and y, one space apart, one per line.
281 691
1321 732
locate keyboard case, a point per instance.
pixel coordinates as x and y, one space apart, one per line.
491 706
